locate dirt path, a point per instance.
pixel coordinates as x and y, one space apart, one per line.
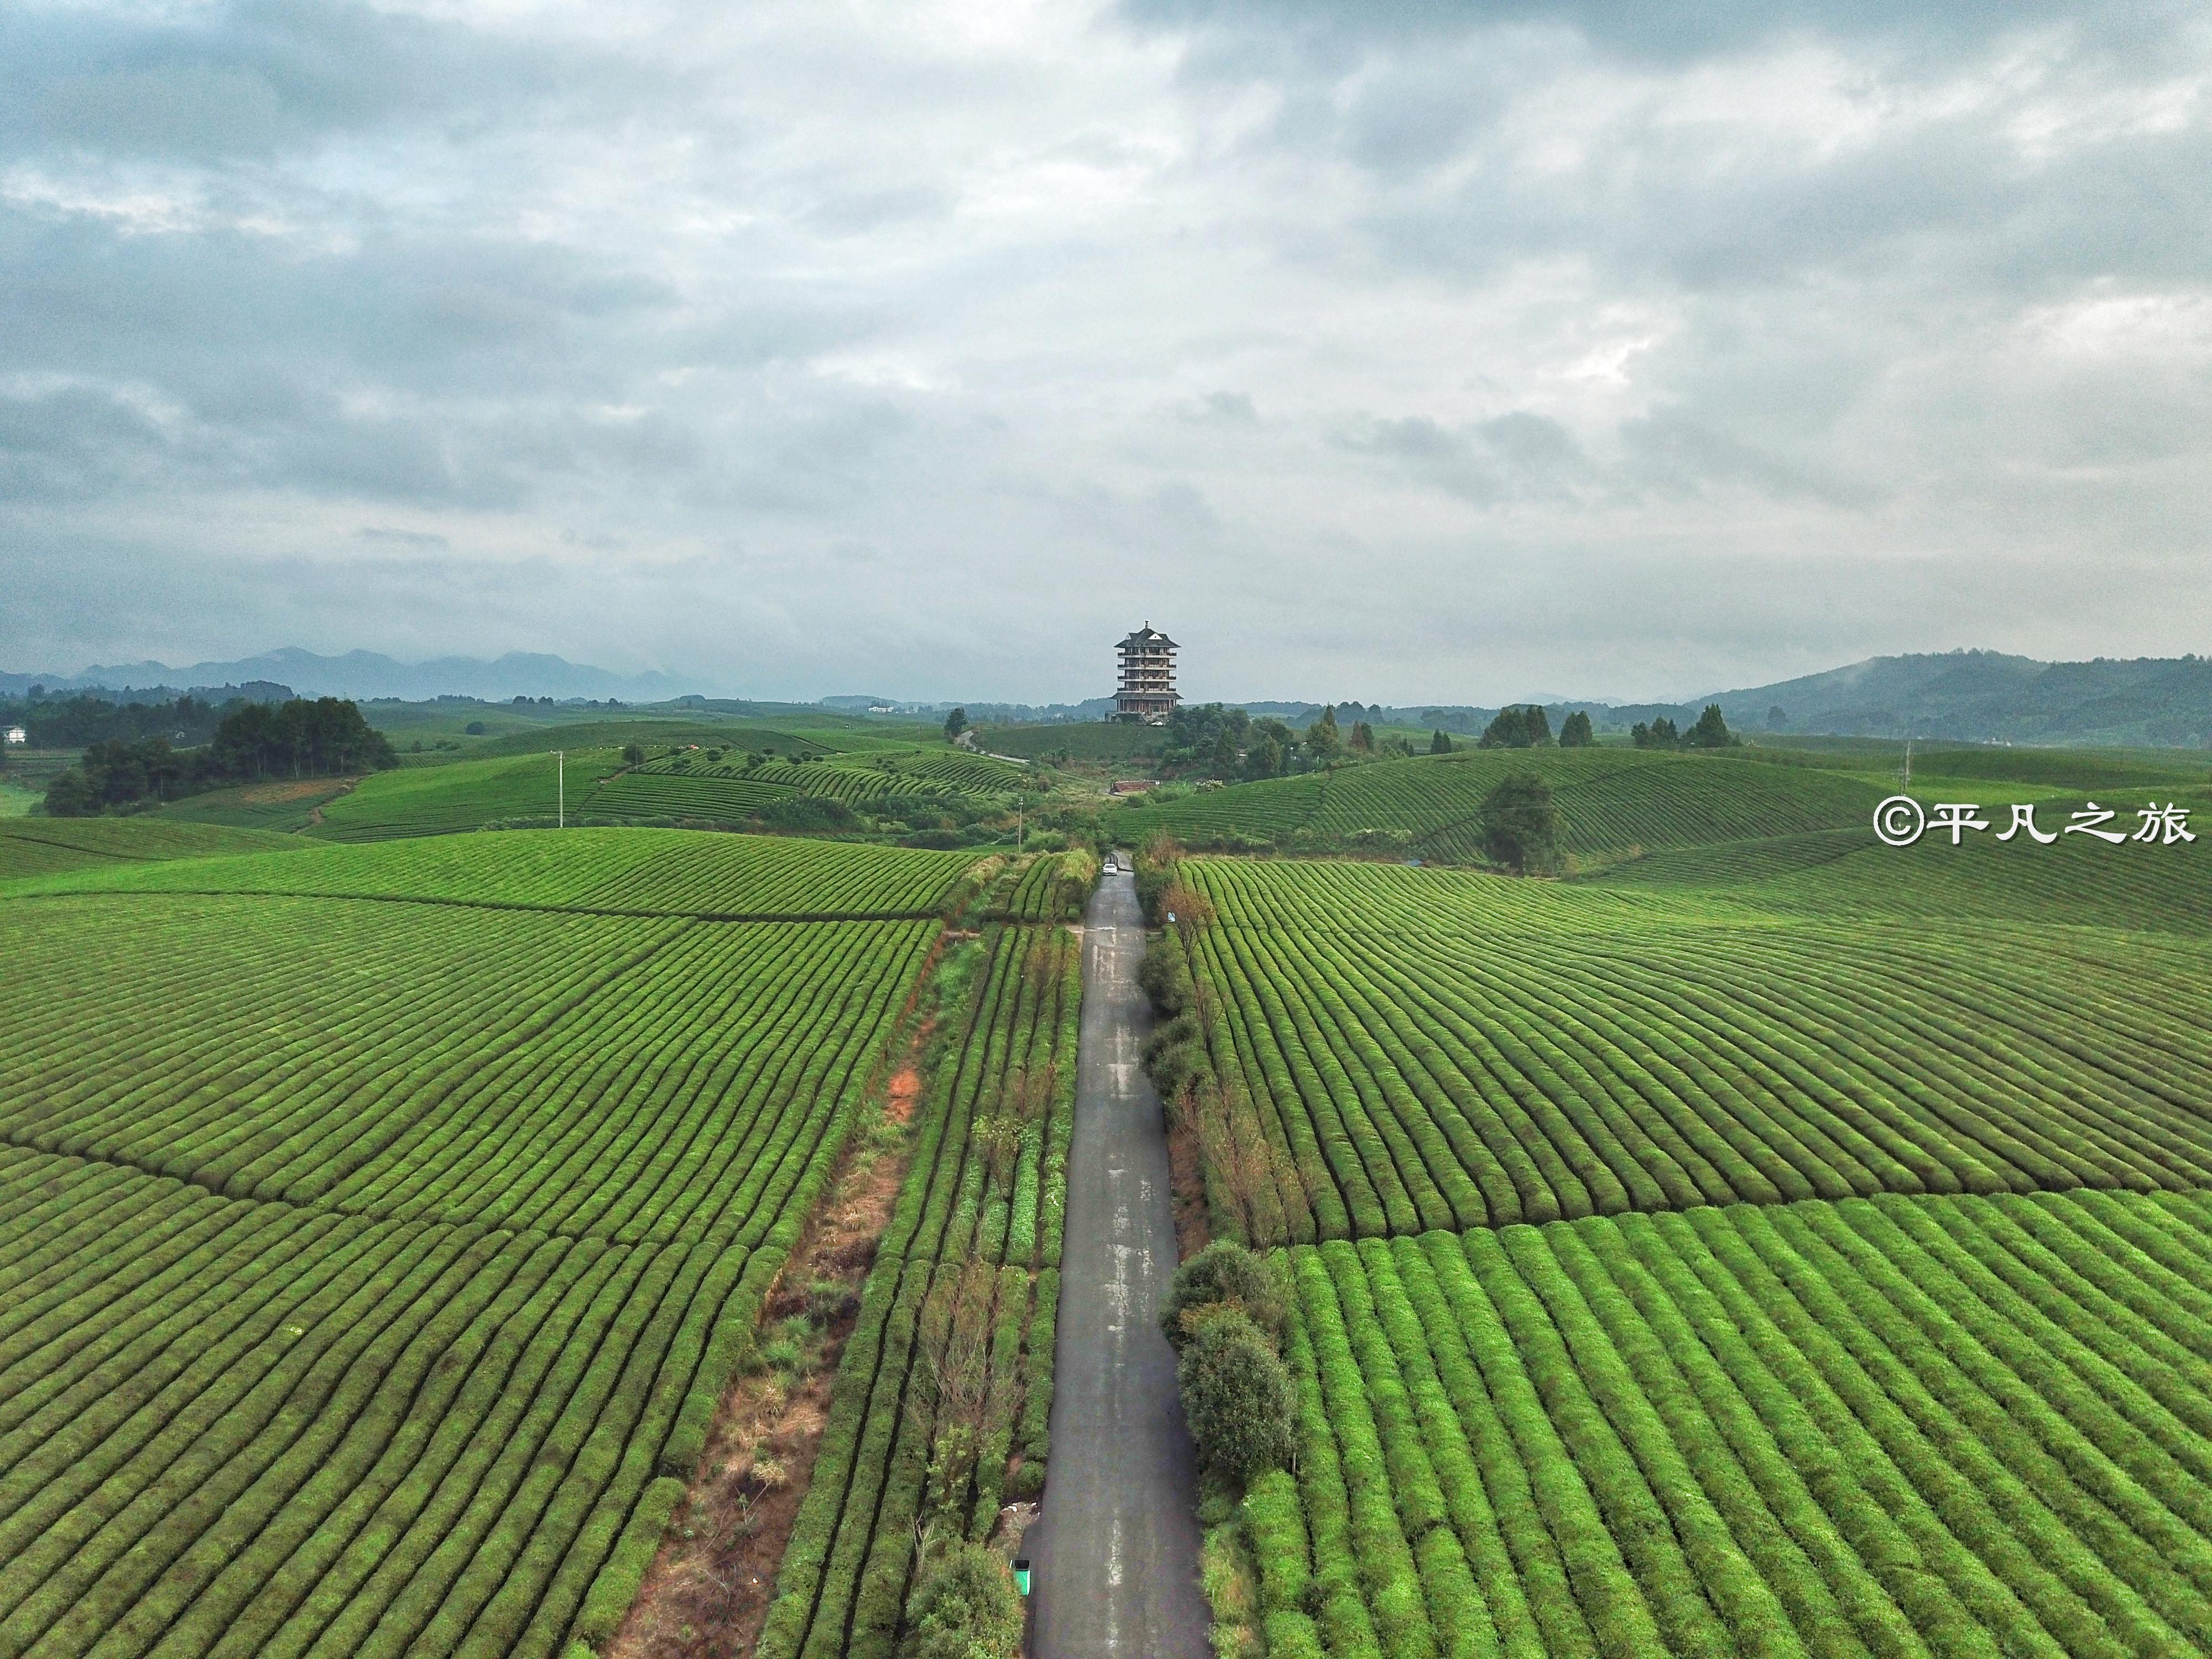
1116 1552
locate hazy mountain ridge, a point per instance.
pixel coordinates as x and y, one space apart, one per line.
1983 696
368 674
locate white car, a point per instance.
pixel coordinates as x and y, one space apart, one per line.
1111 868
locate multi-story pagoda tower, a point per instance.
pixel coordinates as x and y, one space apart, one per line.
1147 690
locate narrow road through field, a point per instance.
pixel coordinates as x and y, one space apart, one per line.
1115 1553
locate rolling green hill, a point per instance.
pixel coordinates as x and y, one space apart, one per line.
429 800
715 783
1610 800
43 846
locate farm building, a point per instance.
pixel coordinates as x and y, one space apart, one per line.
15 734
1147 691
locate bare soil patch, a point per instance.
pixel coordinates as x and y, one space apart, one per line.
905 1093
708 1592
1186 1179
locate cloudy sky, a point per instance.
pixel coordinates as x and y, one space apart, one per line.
1410 352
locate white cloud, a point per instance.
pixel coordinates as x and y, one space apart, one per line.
1373 351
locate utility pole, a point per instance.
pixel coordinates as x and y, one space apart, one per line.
560 789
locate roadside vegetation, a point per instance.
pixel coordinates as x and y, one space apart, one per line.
941 1411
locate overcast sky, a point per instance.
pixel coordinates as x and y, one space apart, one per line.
1605 348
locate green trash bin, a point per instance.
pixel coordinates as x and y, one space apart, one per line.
1022 1574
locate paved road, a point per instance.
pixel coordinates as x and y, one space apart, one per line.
1115 1553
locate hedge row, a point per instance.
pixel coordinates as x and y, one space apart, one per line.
628 1080
243 1428
635 871
1898 1425
1570 1057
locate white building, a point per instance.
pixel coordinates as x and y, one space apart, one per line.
16 734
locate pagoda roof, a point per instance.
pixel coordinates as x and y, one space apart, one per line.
1150 635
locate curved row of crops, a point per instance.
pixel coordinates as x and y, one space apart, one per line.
461 795
733 779
1410 1079
732 789
977 775
1270 810
629 1079
1905 1426
46 847
663 795
1051 887
631 872
369 1273
944 1393
253 1429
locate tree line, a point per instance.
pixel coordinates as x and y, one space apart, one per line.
1530 727
326 738
1710 731
73 722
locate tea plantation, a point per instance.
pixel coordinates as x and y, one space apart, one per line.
691 782
1772 1242
1448 1049
1761 1242
41 847
379 1226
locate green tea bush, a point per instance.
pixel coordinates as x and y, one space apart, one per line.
964 1606
1236 1396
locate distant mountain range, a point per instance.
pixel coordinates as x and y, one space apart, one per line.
1966 696
1982 696
368 674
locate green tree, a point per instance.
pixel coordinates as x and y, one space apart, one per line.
1362 738
72 795
1659 734
1440 743
1518 728
1777 718
1711 731
1323 739
1236 1397
633 755
1225 1274
964 1606
1521 825
955 723
1575 730
1265 757
1225 758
